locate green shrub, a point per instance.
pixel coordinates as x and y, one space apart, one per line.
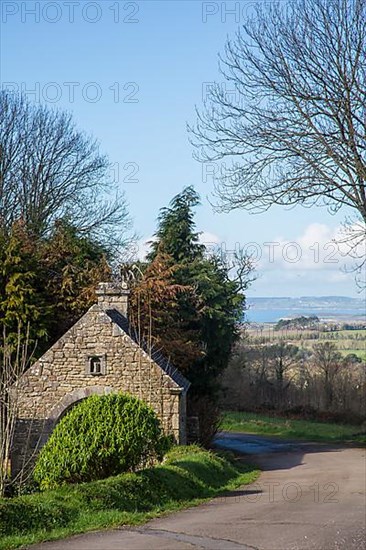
101 437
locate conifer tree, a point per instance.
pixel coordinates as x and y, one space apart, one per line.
198 326
72 265
22 303
176 233
218 306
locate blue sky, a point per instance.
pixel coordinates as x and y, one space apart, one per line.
132 73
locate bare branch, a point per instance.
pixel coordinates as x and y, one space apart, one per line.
296 132
50 170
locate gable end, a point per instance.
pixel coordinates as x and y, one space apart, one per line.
169 369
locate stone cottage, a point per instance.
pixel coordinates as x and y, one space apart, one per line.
98 355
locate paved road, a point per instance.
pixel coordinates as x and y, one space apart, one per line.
309 497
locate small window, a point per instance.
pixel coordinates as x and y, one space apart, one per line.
95 365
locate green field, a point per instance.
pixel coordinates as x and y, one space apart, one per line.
259 424
346 341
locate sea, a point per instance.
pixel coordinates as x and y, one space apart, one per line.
269 310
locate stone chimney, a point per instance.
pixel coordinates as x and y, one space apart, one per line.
113 296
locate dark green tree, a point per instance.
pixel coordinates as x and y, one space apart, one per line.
47 283
212 314
221 308
219 305
176 233
22 302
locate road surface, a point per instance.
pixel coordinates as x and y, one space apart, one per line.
308 497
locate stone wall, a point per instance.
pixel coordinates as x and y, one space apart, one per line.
60 379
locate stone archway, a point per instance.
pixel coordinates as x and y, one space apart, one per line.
73 397
31 434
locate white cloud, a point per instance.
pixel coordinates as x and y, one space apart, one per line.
208 238
319 270
319 248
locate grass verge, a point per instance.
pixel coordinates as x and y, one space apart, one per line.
188 476
259 424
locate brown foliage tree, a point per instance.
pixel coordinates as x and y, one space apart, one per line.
154 310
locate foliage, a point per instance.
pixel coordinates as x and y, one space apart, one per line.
59 225
175 234
209 316
100 437
47 283
312 321
155 312
188 303
22 303
187 474
72 265
220 313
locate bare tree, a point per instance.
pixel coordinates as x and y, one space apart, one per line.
14 361
262 373
329 361
51 170
353 239
282 377
284 360
295 131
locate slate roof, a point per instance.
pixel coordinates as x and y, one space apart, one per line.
122 322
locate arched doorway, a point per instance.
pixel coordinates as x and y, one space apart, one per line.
32 434
72 398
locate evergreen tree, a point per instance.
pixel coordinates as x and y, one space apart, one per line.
22 303
72 265
221 311
176 234
218 306
47 283
206 318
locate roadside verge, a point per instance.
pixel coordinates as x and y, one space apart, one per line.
187 477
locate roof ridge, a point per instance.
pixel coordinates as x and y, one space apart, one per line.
155 354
